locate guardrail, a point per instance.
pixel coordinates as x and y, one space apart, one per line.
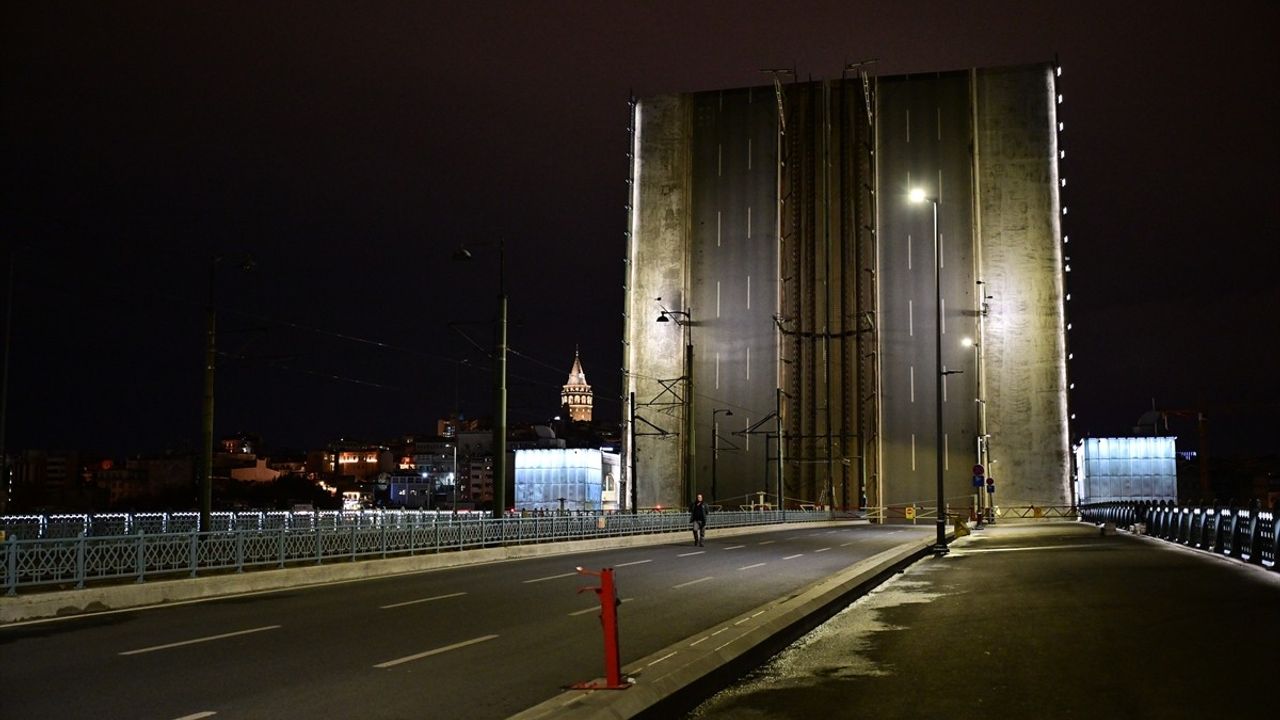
141 555
1248 534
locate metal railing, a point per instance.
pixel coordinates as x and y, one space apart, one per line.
1248 534
141 555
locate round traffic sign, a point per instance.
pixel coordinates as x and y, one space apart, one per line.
978 470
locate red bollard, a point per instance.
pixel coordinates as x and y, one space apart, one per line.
609 603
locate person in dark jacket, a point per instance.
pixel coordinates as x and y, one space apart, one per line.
698 519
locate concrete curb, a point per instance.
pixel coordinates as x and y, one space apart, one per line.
676 678
60 603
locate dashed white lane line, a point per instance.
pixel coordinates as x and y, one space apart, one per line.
822 549
437 651
139 651
691 582
421 600
696 552
846 544
551 577
793 557
748 567
767 542
664 657
735 547
595 608
633 562
197 716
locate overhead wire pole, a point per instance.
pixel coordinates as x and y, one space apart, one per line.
500 393
4 384
206 423
779 164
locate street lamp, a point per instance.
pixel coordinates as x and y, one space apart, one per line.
499 384
715 445
210 369
685 321
918 196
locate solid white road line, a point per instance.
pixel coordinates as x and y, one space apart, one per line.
197 716
793 557
437 651
691 582
421 600
550 577
634 562
748 567
197 640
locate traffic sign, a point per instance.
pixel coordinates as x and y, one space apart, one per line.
979 470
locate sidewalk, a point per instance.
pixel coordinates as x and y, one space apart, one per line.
1043 620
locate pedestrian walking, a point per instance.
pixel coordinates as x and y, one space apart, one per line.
698 520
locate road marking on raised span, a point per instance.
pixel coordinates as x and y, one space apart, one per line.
551 577
197 640
793 557
691 582
634 562
846 544
421 600
822 549
748 567
664 657
197 716
437 651
696 552
735 547
767 542
967 551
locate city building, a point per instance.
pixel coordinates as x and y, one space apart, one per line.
576 396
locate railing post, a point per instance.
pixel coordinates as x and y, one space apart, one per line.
140 561
319 542
384 539
194 551
354 525
80 553
11 566
240 550
1252 544
413 529
280 546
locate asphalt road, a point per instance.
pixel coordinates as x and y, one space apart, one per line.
1036 621
483 641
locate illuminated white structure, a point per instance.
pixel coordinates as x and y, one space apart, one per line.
1126 468
567 479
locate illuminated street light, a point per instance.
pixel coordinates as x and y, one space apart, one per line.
918 196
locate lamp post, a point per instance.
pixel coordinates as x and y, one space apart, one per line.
918 196
715 445
499 385
210 368
683 319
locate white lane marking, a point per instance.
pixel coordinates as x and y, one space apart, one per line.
735 547
551 577
197 716
595 608
704 638
846 544
421 600
767 542
723 629
198 640
822 550
633 562
437 651
691 582
748 567
664 657
793 557
697 552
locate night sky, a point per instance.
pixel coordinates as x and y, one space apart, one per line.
350 148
